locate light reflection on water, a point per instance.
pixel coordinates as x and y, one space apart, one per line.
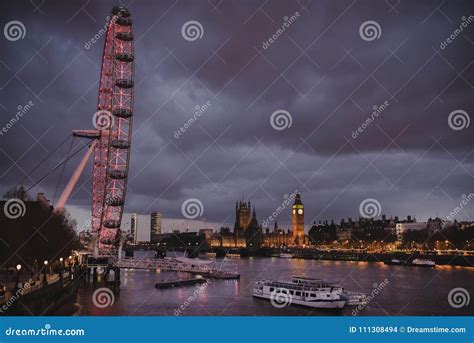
410 291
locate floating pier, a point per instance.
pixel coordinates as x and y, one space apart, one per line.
179 264
179 283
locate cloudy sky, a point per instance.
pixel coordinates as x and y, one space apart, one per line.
324 74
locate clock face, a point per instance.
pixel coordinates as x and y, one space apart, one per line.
300 211
294 211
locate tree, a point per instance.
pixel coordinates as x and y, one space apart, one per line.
15 193
40 234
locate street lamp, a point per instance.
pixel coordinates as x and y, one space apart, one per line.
18 268
69 265
61 268
44 272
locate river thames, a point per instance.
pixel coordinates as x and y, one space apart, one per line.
408 290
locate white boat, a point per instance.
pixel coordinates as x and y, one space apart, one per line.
418 262
286 293
285 255
352 298
355 298
232 255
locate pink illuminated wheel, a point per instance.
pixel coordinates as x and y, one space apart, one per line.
112 152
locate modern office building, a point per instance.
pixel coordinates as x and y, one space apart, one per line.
134 227
155 226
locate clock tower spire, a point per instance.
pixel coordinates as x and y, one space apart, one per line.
298 220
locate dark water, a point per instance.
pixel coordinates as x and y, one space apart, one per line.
410 290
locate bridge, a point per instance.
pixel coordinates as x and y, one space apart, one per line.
178 264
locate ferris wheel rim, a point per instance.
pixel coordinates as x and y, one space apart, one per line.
112 154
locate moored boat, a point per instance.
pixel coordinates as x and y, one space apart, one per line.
417 262
352 298
285 255
232 255
286 293
355 298
395 262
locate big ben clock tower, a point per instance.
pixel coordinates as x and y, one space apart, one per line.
298 220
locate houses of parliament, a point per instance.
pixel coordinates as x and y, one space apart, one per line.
248 233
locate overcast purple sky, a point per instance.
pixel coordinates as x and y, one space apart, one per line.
320 70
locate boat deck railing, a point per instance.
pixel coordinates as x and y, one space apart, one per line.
314 282
295 286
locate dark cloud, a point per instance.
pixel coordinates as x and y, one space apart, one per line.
319 70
